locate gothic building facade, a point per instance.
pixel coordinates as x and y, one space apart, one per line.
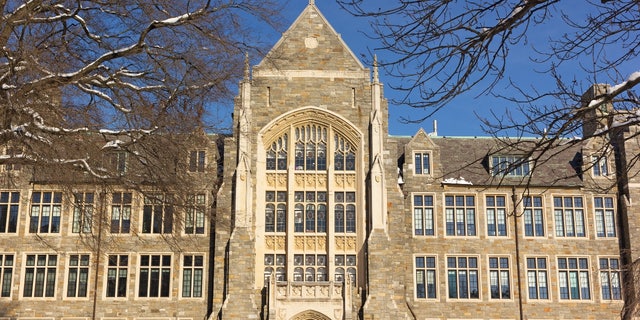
321 214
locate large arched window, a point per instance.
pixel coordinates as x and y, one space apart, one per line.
300 219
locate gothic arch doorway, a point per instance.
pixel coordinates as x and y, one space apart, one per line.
310 315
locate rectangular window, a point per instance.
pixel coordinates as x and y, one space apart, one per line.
45 212
537 278
9 205
423 221
314 267
510 166
82 212
117 274
78 277
422 164
157 214
569 216
499 278
496 216
599 166
605 217
6 274
345 212
120 212
192 273
345 268
277 261
426 283
573 279
275 214
533 217
460 215
40 275
610 279
155 276
462 278
194 222
118 161
196 161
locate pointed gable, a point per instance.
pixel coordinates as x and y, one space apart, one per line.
310 43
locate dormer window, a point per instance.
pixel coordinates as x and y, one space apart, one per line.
197 160
510 166
422 163
599 166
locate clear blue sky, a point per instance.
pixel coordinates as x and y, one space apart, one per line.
459 117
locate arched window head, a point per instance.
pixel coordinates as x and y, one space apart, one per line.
344 154
269 218
311 147
277 154
298 274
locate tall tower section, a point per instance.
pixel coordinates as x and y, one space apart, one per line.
307 179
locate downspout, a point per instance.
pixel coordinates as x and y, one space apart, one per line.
514 199
98 253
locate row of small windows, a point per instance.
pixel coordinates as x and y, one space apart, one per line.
154 276
460 215
463 278
310 212
310 151
310 267
117 161
507 165
46 211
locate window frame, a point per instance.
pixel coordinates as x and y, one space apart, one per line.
192 282
579 271
161 281
564 208
601 220
533 209
599 166
420 171
11 210
538 270
126 201
608 271
46 285
167 210
118 267
465 207
197 161
425 207
195 214
56 206
11 268
500 269
427 270
467 269
83 212
495 206
508 165
78 267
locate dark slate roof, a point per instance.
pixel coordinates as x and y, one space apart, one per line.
469 158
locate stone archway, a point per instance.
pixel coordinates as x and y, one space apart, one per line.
310 315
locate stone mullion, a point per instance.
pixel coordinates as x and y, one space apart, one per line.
290 234
331 243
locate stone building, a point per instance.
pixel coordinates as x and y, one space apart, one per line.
321 214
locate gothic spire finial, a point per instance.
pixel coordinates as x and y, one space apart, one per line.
375 68
246 65
312 2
